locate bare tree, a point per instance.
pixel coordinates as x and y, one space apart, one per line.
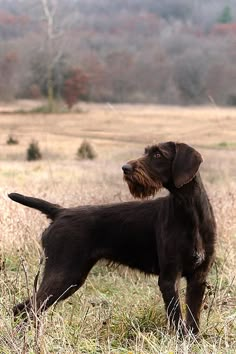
190 73
49 8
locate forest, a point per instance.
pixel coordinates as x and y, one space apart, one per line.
175 52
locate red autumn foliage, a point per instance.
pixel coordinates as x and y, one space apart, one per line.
224 28
8 69
9 19
35 91
7 65
75 86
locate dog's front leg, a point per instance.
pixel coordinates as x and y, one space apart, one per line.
169 288
196 285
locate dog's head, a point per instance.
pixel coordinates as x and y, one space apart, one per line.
164 165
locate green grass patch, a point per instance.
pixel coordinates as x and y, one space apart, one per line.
226 145
59 108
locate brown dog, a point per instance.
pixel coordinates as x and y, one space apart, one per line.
172 237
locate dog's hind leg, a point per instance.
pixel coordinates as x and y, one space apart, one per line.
57 284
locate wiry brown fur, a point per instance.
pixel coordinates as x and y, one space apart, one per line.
171 237
140 183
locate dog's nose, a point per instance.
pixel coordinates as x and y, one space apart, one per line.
127 168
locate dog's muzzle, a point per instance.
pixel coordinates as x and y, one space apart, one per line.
127 169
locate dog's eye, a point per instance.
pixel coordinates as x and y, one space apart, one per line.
157 155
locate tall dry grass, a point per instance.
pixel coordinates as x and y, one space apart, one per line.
117 310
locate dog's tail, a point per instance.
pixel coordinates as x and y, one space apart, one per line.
49 209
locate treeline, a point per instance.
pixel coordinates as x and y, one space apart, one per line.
166 51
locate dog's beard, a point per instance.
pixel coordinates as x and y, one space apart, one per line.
142 186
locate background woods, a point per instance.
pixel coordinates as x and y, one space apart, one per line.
168 52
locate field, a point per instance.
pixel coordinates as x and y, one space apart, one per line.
117 311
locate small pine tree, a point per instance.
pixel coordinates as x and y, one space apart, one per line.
33 151
86 151
226 16
12 141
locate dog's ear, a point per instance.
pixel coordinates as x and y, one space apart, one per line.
185 164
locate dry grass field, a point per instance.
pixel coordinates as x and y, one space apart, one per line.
117 311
